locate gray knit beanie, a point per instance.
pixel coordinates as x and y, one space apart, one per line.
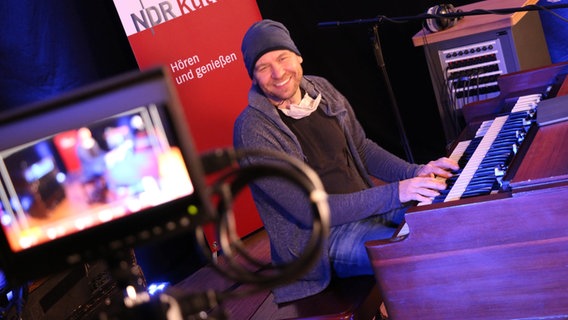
262 37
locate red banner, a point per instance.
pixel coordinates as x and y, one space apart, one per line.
199 41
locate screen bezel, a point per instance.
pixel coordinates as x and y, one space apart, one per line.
67 112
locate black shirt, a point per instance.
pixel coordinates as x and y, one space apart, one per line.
323 142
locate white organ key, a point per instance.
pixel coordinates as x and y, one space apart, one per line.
526 103
485 125
459 150
457 153
478 155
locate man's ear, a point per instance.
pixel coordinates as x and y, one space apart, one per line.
300 59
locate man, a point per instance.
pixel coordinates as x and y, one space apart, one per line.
306 117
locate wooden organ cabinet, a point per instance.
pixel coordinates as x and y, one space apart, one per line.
466 59
494 245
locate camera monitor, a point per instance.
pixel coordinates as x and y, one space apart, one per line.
103 169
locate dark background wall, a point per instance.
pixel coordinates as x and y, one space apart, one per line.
49 47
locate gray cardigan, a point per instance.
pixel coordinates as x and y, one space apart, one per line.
286 217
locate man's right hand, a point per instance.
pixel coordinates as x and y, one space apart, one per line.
421 189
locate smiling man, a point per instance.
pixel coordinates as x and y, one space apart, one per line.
306 117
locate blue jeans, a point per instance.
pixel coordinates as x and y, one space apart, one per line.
347 250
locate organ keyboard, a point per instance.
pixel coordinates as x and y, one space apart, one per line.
493 245
494 145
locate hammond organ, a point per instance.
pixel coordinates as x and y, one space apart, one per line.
494 245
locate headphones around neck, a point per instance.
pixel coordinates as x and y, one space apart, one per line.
441 23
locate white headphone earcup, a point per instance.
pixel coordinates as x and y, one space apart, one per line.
432 23
440 23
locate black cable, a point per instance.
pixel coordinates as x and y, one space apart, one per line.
456 14
236 178
477 84
229 239
466 90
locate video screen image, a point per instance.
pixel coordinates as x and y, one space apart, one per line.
80 178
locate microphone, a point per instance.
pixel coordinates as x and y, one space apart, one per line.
441 21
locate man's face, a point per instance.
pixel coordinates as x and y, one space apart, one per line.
278 74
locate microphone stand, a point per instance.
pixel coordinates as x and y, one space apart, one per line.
379 55
381 64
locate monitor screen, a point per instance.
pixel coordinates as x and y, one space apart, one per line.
99 170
